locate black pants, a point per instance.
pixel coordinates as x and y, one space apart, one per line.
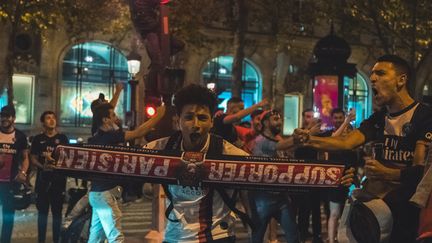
6 199
307 203
45 198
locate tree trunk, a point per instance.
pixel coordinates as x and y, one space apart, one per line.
10 56
9 61
423 74
282 65
241 13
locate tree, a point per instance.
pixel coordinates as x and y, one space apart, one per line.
241 12
396 26
77 16
23 15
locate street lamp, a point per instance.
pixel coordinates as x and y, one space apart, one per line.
134 63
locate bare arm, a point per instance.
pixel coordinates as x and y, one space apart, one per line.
239 115
350 141
116 96
345 124
410 175
147 126
22 173
285 143
34 160
25 162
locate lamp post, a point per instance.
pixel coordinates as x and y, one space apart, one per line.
134 63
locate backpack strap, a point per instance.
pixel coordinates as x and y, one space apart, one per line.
215 148
171 205
231 203
172 145
174 141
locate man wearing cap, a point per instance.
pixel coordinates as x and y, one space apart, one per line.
13 167
403 128
266 205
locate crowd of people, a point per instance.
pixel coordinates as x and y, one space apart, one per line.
402 128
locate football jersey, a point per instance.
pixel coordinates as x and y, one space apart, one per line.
192 206
399 133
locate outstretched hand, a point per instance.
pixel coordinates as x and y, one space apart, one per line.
300 136
351 115
119 87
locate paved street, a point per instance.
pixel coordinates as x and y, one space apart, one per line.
136 223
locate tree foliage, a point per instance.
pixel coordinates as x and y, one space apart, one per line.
401 27
77 17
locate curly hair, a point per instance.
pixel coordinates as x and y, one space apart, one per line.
194 94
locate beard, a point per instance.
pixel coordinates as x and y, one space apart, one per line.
5 125
275 130
195 137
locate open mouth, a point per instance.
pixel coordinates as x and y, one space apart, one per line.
194 136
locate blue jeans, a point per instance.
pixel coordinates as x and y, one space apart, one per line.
8 211
106 216
264 206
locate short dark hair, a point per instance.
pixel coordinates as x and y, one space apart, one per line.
195 94
337 110
101 111
235 100
400 64
45 113
307 110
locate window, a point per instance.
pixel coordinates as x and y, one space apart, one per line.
357 96
219 70
23 89
89 69
293 106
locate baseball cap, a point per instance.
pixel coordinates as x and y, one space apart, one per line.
7 110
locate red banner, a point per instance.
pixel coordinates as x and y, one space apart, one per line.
192 168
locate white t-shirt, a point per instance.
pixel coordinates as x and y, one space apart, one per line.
190 206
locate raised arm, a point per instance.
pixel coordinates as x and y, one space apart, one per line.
147 126
239 115
116 96
350 117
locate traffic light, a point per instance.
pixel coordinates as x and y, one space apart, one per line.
150 110
151 103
